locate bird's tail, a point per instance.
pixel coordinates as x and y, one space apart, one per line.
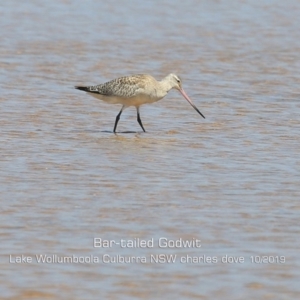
83 88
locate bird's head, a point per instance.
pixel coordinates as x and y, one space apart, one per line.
175 83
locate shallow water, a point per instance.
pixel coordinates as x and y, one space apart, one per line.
230 180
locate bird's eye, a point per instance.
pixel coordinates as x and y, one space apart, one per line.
178 80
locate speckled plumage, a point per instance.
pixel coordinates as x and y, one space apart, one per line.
134 91
128 86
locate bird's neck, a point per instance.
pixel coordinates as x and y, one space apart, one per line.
165 85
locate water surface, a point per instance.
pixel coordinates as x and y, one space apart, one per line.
231 180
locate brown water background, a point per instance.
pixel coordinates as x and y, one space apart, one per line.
231 180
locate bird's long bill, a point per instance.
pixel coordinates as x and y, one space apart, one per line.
190 101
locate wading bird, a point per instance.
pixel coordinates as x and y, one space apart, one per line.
134 91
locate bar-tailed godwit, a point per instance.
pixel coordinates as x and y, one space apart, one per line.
134 91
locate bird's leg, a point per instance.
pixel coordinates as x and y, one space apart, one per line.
139 118
118 118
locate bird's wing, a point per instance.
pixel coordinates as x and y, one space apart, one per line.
125 87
